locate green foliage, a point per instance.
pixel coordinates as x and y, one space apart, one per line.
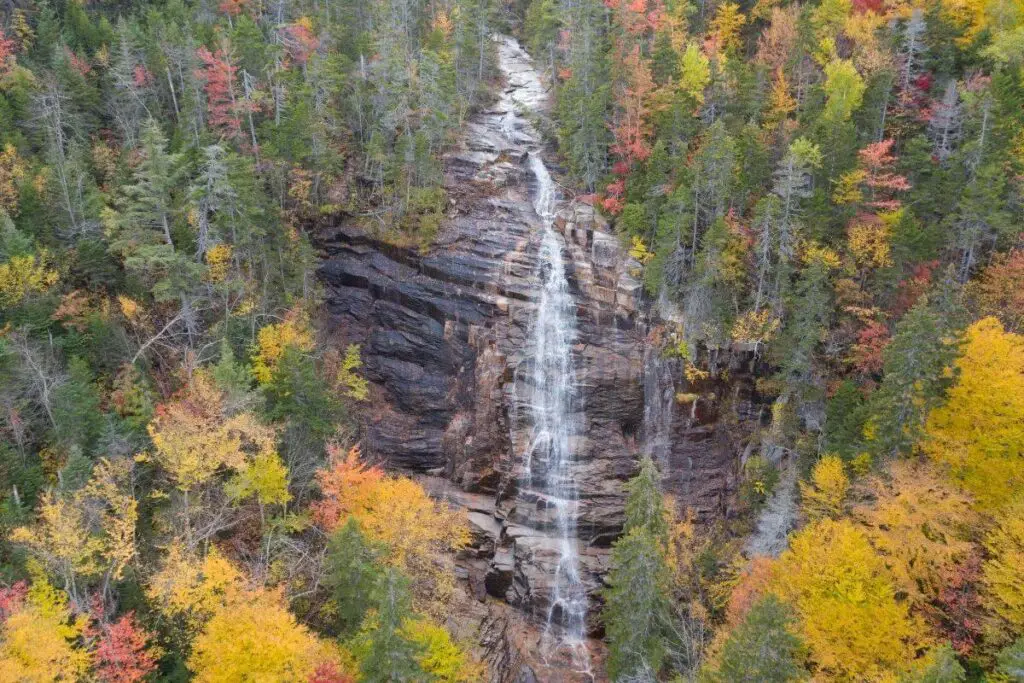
763 647
390 655
914 380
76 409
353 574
637 610
941 666
1011 661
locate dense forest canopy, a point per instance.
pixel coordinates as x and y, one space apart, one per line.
835 187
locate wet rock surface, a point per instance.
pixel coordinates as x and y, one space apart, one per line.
445 341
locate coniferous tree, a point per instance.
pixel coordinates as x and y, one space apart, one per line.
637 608
763 647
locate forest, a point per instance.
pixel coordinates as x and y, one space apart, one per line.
833 189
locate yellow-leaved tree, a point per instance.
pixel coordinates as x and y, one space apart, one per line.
854 627
1003 572
88 533
239 633
193 436
38 637
979 432
920 524
255 638
419 532
825 494
273 340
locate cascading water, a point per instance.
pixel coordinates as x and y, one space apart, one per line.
551 407
553 402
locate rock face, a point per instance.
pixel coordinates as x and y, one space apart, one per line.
445 338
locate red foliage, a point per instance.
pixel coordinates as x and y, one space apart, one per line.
6 52
911 288
923 82
300 41
866 354
141 76
865 6
612 203
329 673
632 129
11 599
1000 289
877 161
961 617
78 63
122 654
232 8
226 110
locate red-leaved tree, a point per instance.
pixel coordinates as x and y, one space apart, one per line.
226 109
123 654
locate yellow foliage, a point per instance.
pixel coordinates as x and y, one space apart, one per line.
273 340
979 432
727 24
442 658
694 374
357 387
848 188
129 307
782 104
24 275
639 250
850 620
919 524
815 253
194 438
265 477
191 588
755 327
12 170
869 243
418 531
1003 572
89 531
694 72
218 261
256 639
825 494
37 640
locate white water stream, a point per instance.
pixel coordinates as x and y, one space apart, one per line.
553 401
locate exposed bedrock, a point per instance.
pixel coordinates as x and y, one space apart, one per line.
445 341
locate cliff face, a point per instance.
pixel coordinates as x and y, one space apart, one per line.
446 336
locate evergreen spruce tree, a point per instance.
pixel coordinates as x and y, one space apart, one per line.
637 604
762 649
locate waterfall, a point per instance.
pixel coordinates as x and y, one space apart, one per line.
552 404
551 407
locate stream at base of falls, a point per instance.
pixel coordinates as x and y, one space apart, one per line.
552 406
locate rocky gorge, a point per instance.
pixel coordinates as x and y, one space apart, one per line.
448 343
